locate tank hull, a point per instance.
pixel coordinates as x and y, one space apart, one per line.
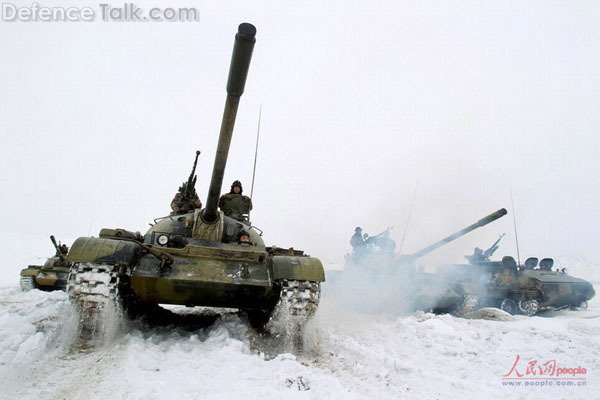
230 276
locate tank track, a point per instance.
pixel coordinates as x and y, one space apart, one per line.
27 283
300 298
93 289
468 304
298 301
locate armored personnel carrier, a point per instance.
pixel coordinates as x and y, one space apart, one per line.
519 289
50 276
377 280
200 257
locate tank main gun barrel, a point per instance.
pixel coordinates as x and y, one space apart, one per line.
238 71
482 222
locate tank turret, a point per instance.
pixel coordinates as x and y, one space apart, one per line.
482 222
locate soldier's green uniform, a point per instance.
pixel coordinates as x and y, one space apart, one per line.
180 207
234 204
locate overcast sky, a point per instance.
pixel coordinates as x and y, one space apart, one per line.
361 101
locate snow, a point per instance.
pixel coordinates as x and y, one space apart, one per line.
347 355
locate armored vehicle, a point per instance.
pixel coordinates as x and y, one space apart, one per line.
519 289
200 257
377 280
50 276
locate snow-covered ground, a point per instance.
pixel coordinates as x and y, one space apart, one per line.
346 355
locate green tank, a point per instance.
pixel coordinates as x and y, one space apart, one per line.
519 289
375 279
200 257
50 276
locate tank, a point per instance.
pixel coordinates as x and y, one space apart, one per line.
376 279
50 276
198 258
519 289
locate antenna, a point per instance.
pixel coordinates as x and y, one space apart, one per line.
90 227
256 151
408 219
515 225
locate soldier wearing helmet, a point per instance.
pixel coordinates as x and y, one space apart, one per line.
234 204
182 204
357 241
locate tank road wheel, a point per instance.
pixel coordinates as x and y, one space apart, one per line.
298 301
529 307
27 283
509 305
94 290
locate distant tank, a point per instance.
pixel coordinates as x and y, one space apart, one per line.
200 257
50 276
375 279
519 289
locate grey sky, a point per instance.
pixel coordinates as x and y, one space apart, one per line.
361 100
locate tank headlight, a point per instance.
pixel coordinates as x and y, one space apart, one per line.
162 240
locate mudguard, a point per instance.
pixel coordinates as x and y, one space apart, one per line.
30 271
103 251
298 268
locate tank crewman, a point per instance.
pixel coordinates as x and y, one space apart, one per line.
477 256
244 238
357 242
234 204
181 205
64 249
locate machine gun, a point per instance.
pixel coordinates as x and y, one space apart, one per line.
489 252
382 240
57 246
187 191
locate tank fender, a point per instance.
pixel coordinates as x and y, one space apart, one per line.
103 251
30 271
298 268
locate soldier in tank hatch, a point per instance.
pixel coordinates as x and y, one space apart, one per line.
234 204
357 242
185 201
64 249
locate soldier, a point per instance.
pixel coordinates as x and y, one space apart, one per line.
234 204
64 249
179 205
477 256
244 238
357 242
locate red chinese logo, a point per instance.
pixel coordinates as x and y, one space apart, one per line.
534 369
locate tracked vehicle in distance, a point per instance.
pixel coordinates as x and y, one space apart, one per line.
50 276
519 289
377 280
196 258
